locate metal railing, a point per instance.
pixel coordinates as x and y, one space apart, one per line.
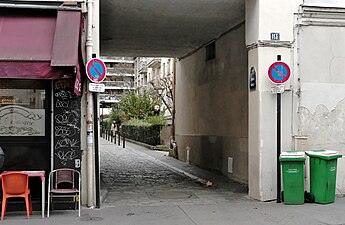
111 97
126 84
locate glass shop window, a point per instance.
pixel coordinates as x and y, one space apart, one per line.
22 107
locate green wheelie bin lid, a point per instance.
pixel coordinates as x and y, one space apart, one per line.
292 156
324 154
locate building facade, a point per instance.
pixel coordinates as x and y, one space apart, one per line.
157 75
43 88
226 114
119 78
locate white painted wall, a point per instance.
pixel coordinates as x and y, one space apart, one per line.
263 125
314 107
321 108
263 18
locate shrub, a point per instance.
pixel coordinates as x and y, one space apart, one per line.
139 106
149 135
156 120
137 123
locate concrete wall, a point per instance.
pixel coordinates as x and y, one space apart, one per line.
165 135
212 107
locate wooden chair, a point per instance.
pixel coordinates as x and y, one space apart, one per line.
15 184
62 183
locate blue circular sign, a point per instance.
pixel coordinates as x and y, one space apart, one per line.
279 72
96 70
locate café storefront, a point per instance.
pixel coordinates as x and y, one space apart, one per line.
41 70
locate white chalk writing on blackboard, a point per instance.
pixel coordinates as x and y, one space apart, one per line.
65 156
61 104
66 124
64 94
61 131
66 142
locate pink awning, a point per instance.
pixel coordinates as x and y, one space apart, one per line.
40 46
33 70
26 38
66 39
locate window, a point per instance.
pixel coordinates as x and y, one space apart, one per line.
211 51
22 108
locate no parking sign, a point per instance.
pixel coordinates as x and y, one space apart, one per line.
279 72
96 70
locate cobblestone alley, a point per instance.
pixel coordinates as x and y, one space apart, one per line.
133 177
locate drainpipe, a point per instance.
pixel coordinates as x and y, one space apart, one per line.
174 97
173 110
89 110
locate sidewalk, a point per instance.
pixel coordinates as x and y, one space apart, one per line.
243 213
227 207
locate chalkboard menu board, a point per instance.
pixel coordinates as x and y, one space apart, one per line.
67 153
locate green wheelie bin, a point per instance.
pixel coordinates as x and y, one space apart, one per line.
323 174
293 177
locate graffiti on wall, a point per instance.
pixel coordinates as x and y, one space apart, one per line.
66 125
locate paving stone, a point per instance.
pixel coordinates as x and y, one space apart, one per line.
133 178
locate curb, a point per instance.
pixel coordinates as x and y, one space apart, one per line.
104 194
152 147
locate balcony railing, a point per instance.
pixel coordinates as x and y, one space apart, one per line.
120 71
103 96
153 62
118 59
119 84
143 70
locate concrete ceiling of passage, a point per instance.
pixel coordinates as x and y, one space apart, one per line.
171 28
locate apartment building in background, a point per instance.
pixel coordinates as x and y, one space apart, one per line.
120 78
156 75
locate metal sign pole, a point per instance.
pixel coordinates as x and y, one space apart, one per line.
278 146
279 72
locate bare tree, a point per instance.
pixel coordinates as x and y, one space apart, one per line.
163 88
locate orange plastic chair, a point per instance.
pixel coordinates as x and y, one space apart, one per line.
15 184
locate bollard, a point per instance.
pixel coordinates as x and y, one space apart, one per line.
187 152
106 134
115 137
123 140
119 141
111 137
